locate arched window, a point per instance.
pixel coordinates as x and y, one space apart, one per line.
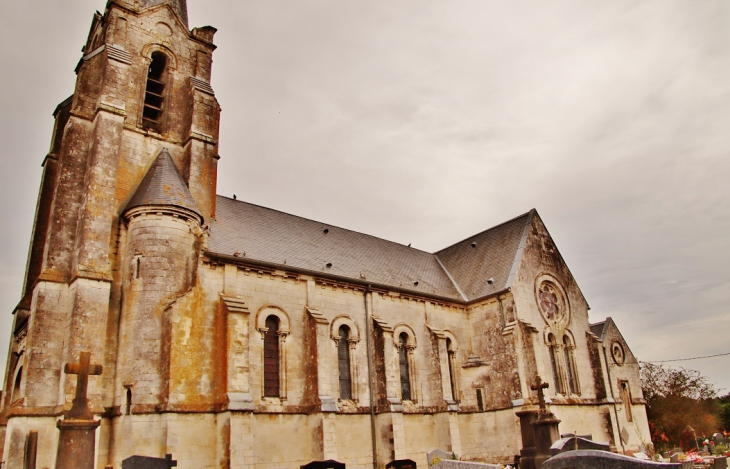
554 357
405 374
452 376
343 363
271 357
573 384
154 97
16 387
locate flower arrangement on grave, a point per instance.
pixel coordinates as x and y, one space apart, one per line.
693 455
721 449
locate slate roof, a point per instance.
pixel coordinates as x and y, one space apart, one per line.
260 234
163 185
494 253
599 329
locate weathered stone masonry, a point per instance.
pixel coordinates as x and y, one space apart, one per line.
235 336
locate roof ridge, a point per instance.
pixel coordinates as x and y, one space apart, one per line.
327 225
448 274
520 249
484 231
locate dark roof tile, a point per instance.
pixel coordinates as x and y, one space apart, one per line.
163 185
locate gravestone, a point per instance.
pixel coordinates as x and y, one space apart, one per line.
445 461
529 450
145 462
720 463
719 439
438 453
77 441
545 426
587 436
328 464
575 443
401 464
592 459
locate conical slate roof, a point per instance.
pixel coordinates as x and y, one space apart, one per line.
163 185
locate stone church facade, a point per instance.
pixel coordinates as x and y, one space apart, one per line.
236 336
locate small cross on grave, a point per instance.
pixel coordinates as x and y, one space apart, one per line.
80 409
539 386
169 461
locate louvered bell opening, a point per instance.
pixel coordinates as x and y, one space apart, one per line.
154 98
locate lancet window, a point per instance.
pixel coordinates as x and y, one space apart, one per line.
554 360
405 372
343 363
571 369
271 357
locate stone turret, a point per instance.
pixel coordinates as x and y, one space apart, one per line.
160 260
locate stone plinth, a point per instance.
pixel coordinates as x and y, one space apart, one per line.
76 444
546 433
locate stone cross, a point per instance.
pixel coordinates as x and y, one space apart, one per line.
170 462
80 409
539 386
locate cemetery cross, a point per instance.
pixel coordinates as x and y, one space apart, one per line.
80 409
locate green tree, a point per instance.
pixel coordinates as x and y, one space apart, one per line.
678 400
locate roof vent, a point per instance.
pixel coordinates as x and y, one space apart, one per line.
328 265
415 283
326 230
474 244
490 280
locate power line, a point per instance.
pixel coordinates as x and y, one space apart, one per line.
685 359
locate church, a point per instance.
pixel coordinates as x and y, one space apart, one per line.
236 336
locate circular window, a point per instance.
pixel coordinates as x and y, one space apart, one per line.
617 352
551 300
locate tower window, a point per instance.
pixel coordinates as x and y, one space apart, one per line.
16 387
154 98
129 402
343 362
271 357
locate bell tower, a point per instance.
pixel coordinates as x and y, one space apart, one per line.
142 90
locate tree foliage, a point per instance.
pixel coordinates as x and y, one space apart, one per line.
677 402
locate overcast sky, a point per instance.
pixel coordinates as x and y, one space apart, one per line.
425 122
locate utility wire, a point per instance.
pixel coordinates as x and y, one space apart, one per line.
685 359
